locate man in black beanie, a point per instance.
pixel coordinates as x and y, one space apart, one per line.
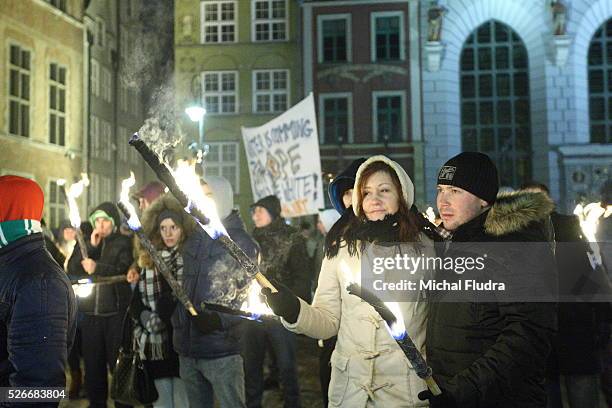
284 260
489 353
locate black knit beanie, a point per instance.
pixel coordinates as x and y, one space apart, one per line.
270 203
473 172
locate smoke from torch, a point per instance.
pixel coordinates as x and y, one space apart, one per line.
71 194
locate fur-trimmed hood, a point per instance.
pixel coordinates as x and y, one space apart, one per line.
514 211
151 228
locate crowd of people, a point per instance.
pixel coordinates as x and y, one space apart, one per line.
497 353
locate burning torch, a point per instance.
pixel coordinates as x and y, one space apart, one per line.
71 195
391 314
134 223
211 223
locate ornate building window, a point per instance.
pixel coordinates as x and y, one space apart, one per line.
495 115
600 84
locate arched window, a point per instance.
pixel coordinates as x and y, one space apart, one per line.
600 84
495 100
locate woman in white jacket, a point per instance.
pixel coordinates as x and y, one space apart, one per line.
368 367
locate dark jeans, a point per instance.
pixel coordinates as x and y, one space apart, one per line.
582 391
101 338
325 368
283 344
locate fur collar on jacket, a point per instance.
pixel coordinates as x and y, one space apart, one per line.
514 211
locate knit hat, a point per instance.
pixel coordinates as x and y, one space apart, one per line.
106 210
472 171
177 218
328 218
223 194
270 203
405 182
342 183
150 191
21 206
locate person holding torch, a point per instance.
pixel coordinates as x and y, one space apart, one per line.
368 366
167 226
109 255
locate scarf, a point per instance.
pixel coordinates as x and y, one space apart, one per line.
385 230
11 231
156 346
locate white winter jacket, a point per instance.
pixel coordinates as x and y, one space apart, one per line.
368 367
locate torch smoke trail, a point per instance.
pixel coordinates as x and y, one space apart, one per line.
164 173
134 223
70 196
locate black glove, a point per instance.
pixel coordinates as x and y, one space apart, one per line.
444 400
283 303
207 322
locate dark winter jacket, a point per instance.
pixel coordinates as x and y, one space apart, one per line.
113 257
284 257
494 354
583 326
37 316
211 275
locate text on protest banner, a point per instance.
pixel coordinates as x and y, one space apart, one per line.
283 157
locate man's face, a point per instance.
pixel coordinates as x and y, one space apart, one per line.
347 198
143 203
104 226
457 206
261 217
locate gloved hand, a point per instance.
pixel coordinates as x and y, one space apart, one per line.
444 400
283 303
207 322
151 322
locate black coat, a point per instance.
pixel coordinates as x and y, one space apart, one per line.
37 316
493 354
583 326
284 257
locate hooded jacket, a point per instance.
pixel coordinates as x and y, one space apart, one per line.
207 266
493 354
368 367
165 301
113 257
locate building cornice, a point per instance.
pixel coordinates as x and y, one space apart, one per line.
59 13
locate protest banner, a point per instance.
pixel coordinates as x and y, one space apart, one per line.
283 157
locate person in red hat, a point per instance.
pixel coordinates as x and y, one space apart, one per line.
37 304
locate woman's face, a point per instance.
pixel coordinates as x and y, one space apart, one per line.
380 196
170 232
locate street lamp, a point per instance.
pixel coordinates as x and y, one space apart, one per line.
196 114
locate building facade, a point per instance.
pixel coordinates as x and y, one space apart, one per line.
240 60
359 60
114 103
42 120
526 82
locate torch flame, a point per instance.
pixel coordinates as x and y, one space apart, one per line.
397 329
189 182
430 215
83 289
589 216
72 193
254 303
126 184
